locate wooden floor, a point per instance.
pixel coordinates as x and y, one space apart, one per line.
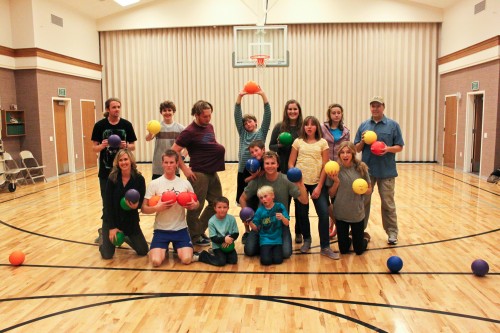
446 218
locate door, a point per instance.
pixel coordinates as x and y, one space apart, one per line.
450 131
88 120
477 133
61 137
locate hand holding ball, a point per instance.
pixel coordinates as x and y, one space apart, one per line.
252 165
154 127
285 138
251 87
185 197
119 239
153 201
332 168
124 205
294 175
132 195
227 249
378 148
246 214
114 141
369 137
168 196
360 186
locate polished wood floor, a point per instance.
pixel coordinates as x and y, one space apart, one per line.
447 219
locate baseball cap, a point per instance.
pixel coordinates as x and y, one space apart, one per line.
377 99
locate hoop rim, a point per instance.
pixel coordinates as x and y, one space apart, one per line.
260 56
260 59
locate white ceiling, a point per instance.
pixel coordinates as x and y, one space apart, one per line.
101 8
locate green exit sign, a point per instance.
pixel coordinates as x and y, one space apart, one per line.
475 85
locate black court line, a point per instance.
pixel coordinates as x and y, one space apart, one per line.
462 181
296 251
289 300
199 271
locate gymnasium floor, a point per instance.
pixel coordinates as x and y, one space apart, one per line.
447 219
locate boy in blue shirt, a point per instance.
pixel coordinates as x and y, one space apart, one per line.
223 232
268 221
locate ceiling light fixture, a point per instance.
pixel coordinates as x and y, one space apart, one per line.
126 2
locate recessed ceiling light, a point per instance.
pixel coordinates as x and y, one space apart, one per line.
126 2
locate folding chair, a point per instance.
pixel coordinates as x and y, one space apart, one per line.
33 169
13 172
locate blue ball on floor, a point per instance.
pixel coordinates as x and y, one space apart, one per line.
394 264
480 267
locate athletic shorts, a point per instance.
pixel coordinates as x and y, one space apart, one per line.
179 238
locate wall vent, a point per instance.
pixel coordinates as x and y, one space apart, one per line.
479 7
56 20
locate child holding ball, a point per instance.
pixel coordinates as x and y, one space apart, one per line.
349 209
223 232
269 220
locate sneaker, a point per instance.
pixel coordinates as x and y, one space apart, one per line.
329 253
202 242
306 246
244 238
205 237
367 237
392 239
298 239
196 257
98 240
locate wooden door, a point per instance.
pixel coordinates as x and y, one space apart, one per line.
88 120
61 137
450 131
477 133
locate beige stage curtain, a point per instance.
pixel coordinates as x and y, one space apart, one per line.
329 63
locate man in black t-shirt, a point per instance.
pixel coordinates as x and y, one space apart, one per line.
111 124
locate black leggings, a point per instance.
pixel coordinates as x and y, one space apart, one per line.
359 244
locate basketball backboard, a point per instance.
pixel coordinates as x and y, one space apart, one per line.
269 41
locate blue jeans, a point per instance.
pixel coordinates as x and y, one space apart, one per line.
321 206
252 245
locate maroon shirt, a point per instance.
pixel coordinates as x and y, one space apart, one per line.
205 153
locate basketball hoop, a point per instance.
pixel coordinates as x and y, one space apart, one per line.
260 60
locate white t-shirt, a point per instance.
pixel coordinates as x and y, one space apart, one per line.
174 218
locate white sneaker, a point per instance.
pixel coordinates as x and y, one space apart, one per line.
392 239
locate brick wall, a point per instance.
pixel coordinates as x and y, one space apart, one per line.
488 75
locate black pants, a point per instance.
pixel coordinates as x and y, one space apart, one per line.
359 244
241 184
137 241
219 258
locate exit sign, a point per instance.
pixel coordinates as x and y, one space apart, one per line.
61 92
475 85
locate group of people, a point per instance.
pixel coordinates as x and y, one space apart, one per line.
267 190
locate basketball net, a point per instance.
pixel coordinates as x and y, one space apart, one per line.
260 60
